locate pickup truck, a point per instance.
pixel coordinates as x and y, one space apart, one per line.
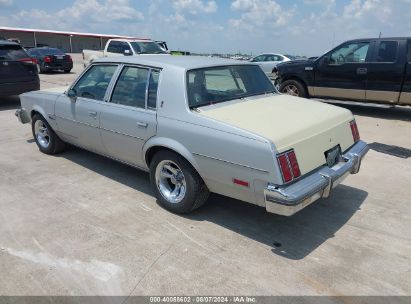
127 47
365 70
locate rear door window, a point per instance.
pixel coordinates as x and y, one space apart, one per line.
387 51
131 86
12 52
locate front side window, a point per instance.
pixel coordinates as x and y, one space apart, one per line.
259 58
207 86
387 51
355 52
130 89
93 84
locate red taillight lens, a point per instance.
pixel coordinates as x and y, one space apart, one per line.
285 168
69 58
295 169
47 59
29 60
289 166
354 131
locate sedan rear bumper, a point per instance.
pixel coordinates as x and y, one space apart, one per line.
287 200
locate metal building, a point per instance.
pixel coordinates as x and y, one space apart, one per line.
70 42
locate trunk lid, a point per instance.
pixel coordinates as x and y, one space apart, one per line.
309 127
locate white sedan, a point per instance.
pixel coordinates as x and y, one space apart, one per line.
267 62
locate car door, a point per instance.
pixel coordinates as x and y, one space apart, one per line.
78 117
129 119
386 71
342 73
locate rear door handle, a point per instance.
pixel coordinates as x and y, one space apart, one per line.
92 114
362 71
142 124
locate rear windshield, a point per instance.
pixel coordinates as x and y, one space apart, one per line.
147 48
50 52
207 86
12 52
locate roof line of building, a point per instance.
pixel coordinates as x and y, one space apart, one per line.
28 30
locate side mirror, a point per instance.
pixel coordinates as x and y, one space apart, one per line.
72 94
127 53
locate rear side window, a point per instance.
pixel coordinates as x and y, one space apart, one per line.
12 52
152 89
387 51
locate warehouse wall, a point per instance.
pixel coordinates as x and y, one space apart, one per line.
26 39
59 41
56 40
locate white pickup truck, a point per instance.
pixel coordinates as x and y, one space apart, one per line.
124 47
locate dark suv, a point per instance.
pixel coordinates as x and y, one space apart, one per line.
366 70
18 71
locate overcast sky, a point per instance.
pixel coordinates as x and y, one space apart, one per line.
301 27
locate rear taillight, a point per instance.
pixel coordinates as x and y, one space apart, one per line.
47 59
354 130
69 58
29 60
289 166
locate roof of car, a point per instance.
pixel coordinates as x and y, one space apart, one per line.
8 42
183 62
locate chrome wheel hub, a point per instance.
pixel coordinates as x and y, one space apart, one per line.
41 133
291 90
170 181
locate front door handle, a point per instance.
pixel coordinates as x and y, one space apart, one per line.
362 71
142 124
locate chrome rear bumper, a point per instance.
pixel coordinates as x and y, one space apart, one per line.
287 200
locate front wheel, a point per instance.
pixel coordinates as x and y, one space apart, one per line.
176 184
293 88
47 141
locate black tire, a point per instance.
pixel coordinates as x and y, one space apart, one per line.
55 145
294 85
197 192
67 71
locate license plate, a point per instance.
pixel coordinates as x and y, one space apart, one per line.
333 156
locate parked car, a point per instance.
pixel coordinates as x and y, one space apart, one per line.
51 59
267 62
201 125
18 72
127 47
366 70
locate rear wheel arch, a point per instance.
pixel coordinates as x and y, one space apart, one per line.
157 144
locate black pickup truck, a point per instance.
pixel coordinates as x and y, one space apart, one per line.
366 70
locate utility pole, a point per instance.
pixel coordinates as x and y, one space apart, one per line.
379 36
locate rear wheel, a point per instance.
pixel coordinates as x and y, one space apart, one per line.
47 141
67 71
176 184
293 88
